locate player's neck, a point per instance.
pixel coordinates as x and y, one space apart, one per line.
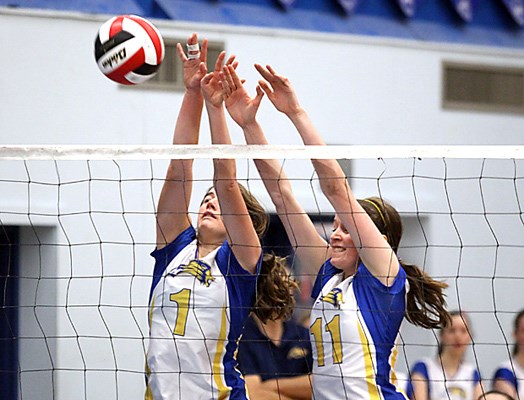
519 357
352 270
205 248
451 362
273 330
207 243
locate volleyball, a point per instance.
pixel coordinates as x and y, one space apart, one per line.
129 49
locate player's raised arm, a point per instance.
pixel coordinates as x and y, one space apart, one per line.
371 244
242 237
311 250
171 214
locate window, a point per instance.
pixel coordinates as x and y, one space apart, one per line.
483 88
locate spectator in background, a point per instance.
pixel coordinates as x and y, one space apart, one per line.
509 376
275 359
495 395
448 376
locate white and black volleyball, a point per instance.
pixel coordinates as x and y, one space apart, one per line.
129 49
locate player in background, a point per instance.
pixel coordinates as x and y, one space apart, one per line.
361 289
509 376
205 279
448 376
495 395
275 359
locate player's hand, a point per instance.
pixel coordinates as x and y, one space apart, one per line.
279 90
211 83
239 104
193 73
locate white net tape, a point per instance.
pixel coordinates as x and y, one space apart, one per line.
146 152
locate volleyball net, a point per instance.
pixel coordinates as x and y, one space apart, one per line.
77 226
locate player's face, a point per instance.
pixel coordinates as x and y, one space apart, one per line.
519 334
344 255
494 396
456 338
209 217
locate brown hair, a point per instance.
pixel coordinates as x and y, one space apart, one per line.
426 299
257 213
516 323
274 299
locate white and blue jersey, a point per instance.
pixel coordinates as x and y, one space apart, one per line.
198 307
460 386
354 330
511 372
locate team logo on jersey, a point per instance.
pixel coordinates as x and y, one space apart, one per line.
334 297
457 392
297 353
199 269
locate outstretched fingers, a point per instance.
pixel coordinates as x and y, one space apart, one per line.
270 75
265 87
231 61
237 82
227 83
260 94
230 80
207 78
271 70
203 51
181 53
194 52
203 68
220 61
266 74
190 41
191 61
193 49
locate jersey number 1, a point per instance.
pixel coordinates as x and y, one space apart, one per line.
182 300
